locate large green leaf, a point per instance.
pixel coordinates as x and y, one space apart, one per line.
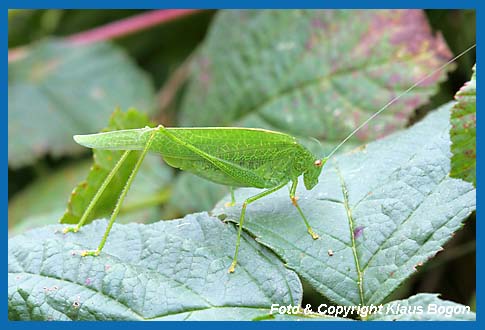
423 307
463 132
310 73
151 177
313 73
45 198
381 211
58 90
171 270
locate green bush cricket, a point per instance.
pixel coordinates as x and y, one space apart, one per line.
236 157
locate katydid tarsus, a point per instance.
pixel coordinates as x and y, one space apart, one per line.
236 157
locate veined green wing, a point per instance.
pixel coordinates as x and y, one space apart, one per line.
268 154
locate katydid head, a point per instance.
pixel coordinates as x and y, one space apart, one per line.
311 175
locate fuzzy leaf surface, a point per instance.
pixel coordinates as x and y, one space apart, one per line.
71 89
381 211
170 270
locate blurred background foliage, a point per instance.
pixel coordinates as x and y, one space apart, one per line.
39 187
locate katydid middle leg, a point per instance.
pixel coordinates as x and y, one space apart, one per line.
233 199
294 201
242 216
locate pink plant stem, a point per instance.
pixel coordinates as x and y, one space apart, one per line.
129 25
16 54
117 29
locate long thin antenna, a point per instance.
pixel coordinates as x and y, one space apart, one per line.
397 98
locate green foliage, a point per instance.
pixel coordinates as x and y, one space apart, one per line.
463 132
369 209
383 209
70 89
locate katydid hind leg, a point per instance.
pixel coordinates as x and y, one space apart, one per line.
98 194
242 217
294 201
119 203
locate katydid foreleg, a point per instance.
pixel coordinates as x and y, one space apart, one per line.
242 216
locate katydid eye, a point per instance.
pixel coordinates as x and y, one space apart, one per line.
318 163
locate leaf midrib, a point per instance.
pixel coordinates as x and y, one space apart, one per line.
348 209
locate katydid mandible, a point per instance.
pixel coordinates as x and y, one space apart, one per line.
236 157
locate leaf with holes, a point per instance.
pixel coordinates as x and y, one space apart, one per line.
381 211
70 89
463 132
170 270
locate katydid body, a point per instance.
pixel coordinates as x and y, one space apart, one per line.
236 157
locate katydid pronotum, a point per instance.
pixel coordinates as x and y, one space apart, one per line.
236 157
